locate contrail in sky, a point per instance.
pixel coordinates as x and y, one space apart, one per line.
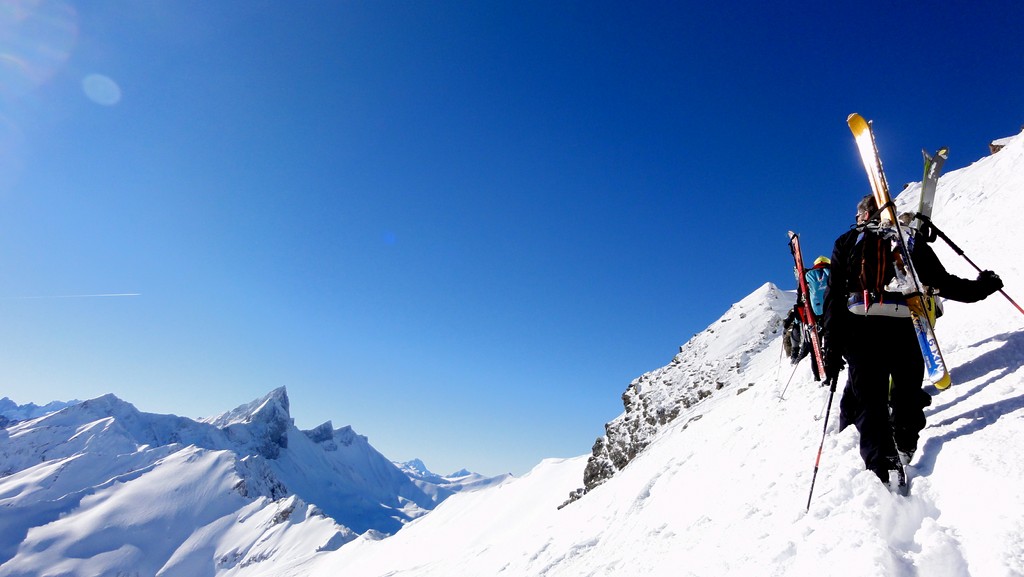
76 296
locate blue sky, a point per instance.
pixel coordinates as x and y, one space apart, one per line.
461 227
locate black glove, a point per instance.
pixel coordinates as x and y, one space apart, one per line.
833 364
989 282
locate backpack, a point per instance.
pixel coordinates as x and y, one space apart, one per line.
795 341
817 282
872 267
871 274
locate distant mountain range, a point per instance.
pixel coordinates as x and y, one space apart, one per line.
13 412
79 480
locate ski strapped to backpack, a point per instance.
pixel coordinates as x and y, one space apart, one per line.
929 182
932 169
906 276
798 259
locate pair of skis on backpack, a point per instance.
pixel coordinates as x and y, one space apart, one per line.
917 301
922 307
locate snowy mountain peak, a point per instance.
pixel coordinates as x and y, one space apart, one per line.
264 423
321 433
346 436
417 464
273 404
109 405
417 471
106 417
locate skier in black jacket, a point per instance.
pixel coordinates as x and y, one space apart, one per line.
878 340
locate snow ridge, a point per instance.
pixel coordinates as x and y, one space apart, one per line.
706 366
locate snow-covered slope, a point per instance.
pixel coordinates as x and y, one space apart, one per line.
100 487
722 488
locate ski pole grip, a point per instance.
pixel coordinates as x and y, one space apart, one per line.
934 231
928 230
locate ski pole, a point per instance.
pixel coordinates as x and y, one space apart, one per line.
935 231
821 411
817 461
778 371
782 395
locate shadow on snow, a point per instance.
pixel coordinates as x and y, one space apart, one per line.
997 363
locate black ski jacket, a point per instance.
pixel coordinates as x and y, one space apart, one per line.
844 277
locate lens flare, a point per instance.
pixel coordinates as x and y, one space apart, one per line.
36 39
101 89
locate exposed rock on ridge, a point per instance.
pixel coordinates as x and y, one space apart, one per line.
706 366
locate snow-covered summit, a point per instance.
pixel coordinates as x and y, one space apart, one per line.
273 405
262 424
711 365
416 469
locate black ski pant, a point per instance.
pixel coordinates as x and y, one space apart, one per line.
877 349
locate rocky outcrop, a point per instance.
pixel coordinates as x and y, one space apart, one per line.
704 368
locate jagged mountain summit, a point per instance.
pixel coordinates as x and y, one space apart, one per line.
88 487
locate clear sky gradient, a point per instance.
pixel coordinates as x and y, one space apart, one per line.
461 227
